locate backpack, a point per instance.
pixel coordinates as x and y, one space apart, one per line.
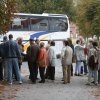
91 62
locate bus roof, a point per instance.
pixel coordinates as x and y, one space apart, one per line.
47 15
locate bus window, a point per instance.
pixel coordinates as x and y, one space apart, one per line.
20 24
39 25
58 25
43 27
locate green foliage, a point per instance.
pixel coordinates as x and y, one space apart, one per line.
88 17
47 6
7 8
90 12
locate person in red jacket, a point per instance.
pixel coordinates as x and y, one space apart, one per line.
42 61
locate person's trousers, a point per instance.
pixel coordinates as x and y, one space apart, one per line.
52 72
78 67
42 70
14 73
93 73
63 72
4 65
99 76
1 71
71 69
85 66
33 71
13 62
47 74
67 73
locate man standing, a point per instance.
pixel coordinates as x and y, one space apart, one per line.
1 69
37 42
12 54
67 61
52 60
4 62
32 56
72 46
93 57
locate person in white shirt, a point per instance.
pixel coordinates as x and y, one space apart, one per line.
52 60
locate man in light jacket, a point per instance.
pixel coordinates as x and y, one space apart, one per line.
52 60
67 61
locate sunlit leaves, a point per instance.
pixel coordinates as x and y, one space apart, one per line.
88 17
48 6
7 8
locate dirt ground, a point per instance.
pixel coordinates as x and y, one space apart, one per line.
76 90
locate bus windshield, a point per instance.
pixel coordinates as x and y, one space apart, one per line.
39 24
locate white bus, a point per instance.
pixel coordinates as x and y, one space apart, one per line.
42 26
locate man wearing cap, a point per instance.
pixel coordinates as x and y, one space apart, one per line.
32 56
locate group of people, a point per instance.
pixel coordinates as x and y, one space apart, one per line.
38 57
42 58
89 55
10 60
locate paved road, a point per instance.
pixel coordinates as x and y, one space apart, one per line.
76 90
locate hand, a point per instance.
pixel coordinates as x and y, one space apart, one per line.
20 61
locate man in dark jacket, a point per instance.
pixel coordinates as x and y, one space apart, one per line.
1 70
32 56
2 60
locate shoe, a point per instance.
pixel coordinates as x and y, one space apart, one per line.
52 80
62 80
46 77
85 73
34 82
20 82
79 75
96 84
75 74
71 74
93 82
68 82
30 77
87 84
37 78
10 83
41 81
64 83
1 80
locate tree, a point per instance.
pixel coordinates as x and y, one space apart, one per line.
88 17
48 6
93 16
7 8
